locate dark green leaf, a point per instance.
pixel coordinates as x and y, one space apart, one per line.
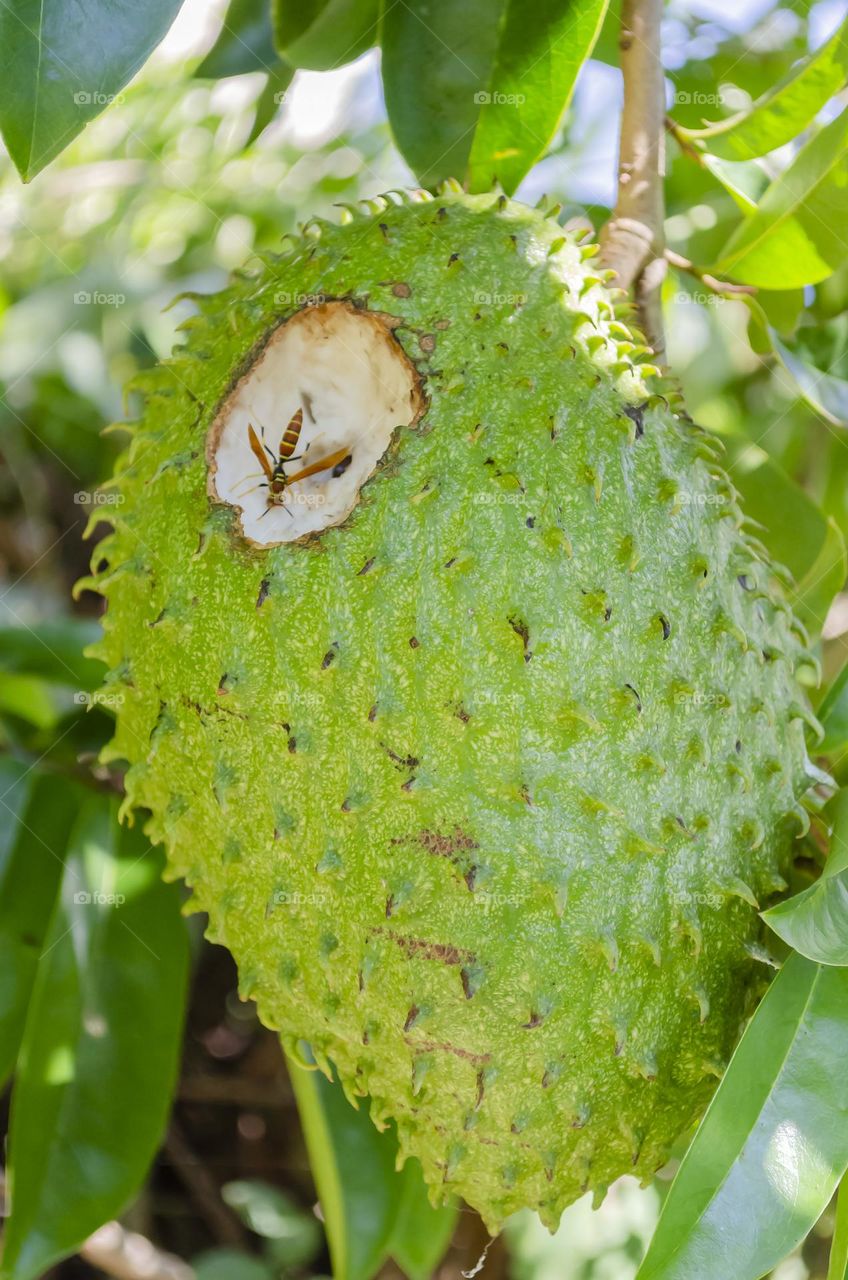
478 89
246 43
437 62
421 1234
270 99
773 1144
815 922
322 34
61 66
365 1202
36 814
539 56
796 235
784 111
101 1045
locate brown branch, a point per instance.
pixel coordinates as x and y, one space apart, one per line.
127 1256
632 241
724 288
204 1190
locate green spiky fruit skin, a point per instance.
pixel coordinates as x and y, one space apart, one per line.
481 787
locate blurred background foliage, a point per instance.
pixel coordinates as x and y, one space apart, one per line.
180 181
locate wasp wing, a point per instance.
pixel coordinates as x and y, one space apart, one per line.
323 464
259 452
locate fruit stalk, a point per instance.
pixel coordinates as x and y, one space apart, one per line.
632 242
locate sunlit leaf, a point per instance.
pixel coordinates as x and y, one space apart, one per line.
478 89
744 183
61 66
101 1044
838 1263
785 110
539 56
774 1143
796 236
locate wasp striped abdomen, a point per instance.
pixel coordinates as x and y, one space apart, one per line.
291 435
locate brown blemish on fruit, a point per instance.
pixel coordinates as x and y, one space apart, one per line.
444 952
430 1046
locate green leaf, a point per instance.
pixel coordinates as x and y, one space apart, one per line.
365 1202
53 650
838 1264
30 699
824 392
479 89
245 43
744 183
540 53
101 1044
796 236
833 715
293 1236
815 922
774 1143
815 592
785 110
322 34
269 101
36 813
421 1234
61 67
231 1264
795 531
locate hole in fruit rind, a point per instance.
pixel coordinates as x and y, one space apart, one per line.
324 397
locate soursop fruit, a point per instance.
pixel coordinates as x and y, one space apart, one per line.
481 741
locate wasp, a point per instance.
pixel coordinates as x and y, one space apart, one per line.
277 480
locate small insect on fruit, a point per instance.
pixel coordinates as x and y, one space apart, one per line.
276 480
